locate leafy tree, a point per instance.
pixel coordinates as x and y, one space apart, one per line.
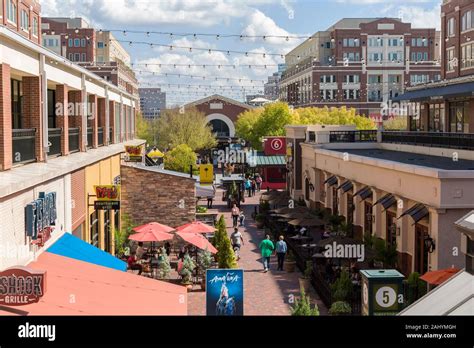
396 123
147 129
180 158
164 268
333 116
386 253
225 254
416 287
340 308
220 232
121 234
302 306
342 287
188 126
187 270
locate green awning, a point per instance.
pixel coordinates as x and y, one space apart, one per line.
263 160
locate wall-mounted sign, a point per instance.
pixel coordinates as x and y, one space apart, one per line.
382 292
117 180
225 292
20 286
40 216
107 197
133 153
206 173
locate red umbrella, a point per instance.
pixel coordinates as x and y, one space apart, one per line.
198 240
151 236
196 227
153 226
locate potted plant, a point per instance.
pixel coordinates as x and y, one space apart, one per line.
187 271
302 306
260 220
204 263
340 308
290 263
305 280
164 267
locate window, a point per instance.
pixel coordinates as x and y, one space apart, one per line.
45 42
451 25
328 78
351 42
468 20
16 100
376 57
77 57
375 79
415 79
352 79
71 57
77 43
376 42
425 56
25 20
83 57
100 44
467 56
35 26
395 56
351 94
393 42
94 228
51 108
436 118
459 117
450 60
352 56
11 11
83 42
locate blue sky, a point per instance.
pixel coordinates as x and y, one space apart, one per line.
256 17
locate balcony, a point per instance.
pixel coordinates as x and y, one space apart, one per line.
24 146
100 136
74 134
90 137
54 139
460 141
362 136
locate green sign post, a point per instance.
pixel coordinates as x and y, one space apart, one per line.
382 291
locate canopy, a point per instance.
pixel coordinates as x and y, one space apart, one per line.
307 222
450 91
196 227
197 240
417 212
205 191
298 215
100 290
331 180
346 186
387 201
151 236
440 276
73 247
155 154
364 193
154 226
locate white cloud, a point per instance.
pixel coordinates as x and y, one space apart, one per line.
420 17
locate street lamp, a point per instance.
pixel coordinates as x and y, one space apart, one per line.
429 244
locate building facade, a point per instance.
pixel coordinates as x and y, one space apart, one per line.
360 63
152 101
272 87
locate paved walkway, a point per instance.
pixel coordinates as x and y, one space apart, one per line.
264 293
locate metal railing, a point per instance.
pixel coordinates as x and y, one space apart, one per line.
24 145
74 134
100 136
54 139
90 136
462 141
361 136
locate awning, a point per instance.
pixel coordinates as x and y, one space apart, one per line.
364 193
455 90
417 212
331 180
386 201
346 186
205 191
81 288
276 160
440 276
73 247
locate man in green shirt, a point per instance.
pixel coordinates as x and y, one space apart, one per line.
266 247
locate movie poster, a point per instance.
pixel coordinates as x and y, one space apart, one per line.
225 292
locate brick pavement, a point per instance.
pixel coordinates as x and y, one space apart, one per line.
264 293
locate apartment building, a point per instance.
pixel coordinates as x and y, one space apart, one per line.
360 63
62 131
271 88
152 101
96 50
22 17
448 105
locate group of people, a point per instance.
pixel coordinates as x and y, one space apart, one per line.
238 216
267 248
140 254
253 184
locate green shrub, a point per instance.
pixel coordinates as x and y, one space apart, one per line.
340 308
342 287
302 306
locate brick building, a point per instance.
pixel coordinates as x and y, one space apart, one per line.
22 17
360 63
152 101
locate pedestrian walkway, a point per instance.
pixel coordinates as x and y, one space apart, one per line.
264 293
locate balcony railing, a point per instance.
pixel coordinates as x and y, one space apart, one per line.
54 138
100 136
362 136
24 147
90 136
74 134
461 141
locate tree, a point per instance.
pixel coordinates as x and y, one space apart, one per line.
225 254
340 308
146 129
302 306
204 260
333 116
220 232
180 159
396 123
188 126
164 268
187 270
121 234
245 125
342 287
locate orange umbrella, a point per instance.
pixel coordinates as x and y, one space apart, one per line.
197 240
440 276
196 227
153 226
151 236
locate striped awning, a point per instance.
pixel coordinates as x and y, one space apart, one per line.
386 201
263 160
364 193
331 180
346 186
417 212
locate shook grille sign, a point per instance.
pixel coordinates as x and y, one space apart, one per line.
21 286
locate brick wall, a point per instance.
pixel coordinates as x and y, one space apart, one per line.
32 110
5 118
149 196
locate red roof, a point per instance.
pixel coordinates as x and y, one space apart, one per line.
440 276
80 288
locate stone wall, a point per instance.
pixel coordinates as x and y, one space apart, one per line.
149 195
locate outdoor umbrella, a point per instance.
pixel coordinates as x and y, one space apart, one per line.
339 240
287 210
196 227
154 226
151 236
307 222
298 215
197 240
155 154
440 276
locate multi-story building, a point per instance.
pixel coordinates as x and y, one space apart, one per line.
62 131
448 105
272 87
96 50
152 101
360 63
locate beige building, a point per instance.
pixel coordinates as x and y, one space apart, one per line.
405 194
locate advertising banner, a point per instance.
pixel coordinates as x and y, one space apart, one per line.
225 292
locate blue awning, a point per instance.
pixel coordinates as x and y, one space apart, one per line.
75 248
456 90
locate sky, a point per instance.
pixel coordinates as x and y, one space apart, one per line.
217 18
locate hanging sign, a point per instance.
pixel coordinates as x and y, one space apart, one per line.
133 153
107 197
21 286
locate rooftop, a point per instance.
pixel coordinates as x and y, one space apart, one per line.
354 23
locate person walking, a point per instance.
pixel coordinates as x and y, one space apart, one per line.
237 241
248 187
258 180
235 215
241 218
254 186
266 247
281 249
